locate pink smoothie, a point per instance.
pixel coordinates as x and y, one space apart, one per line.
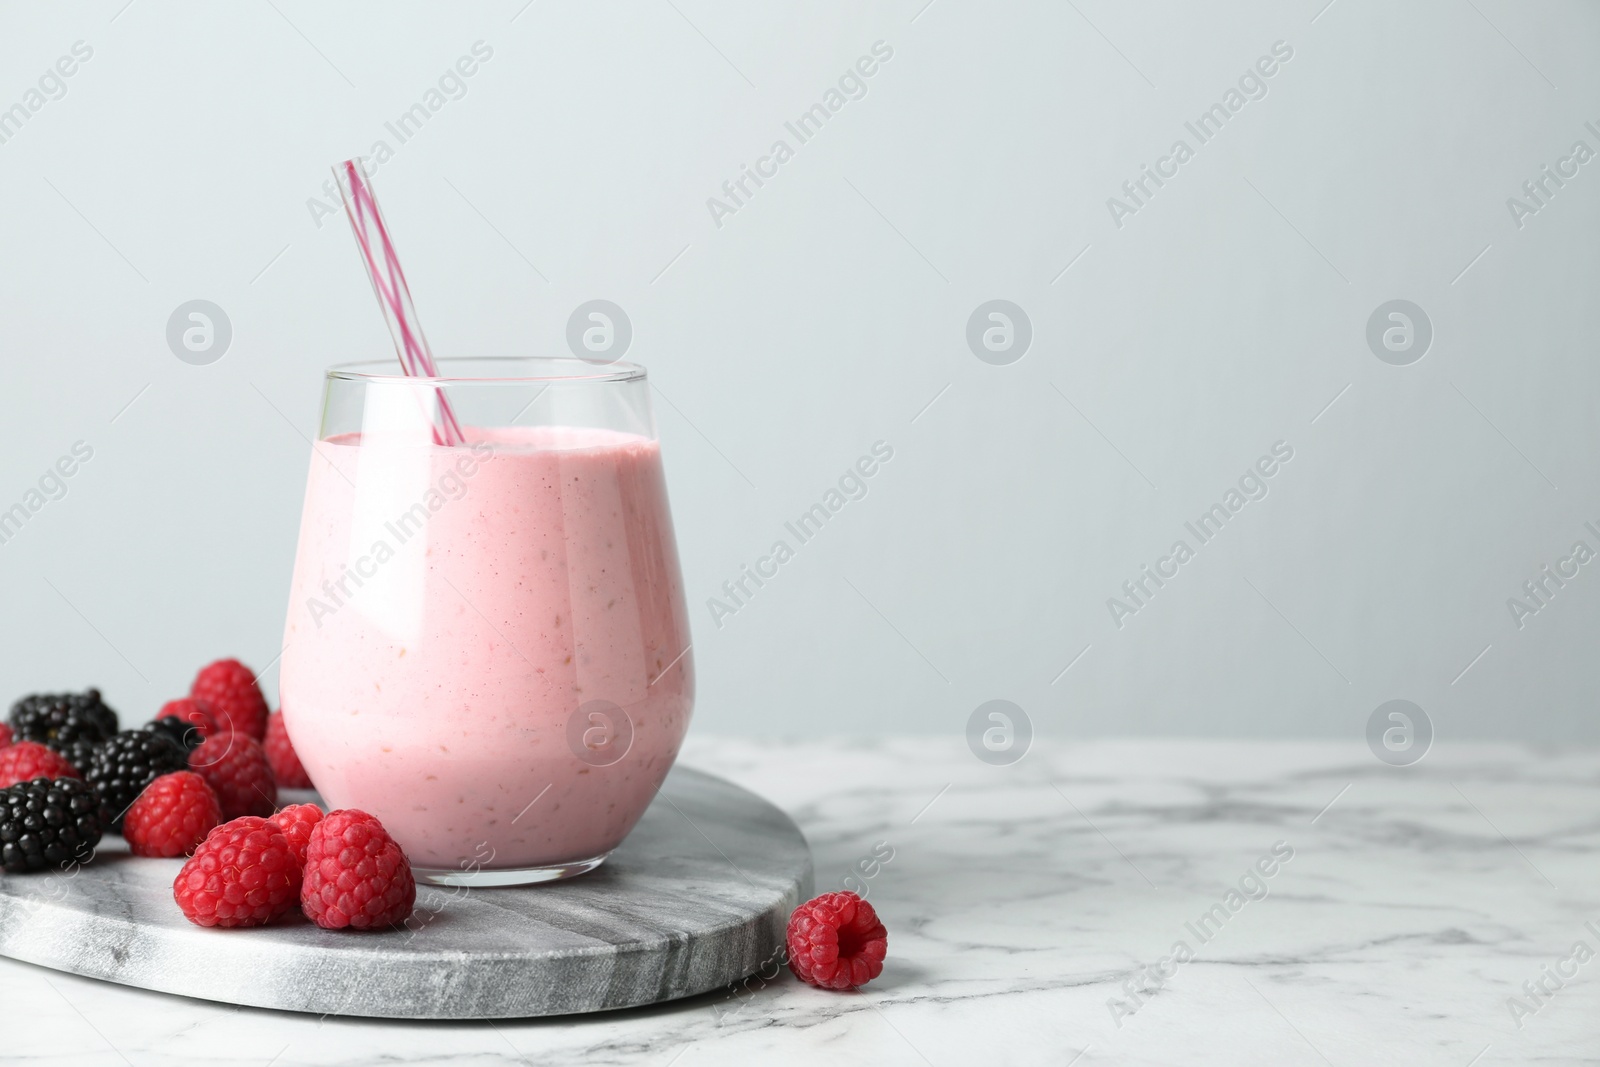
451 611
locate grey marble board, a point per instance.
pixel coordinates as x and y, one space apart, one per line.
697 897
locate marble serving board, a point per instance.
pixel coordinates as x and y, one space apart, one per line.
696 898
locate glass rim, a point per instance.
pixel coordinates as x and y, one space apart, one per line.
388 370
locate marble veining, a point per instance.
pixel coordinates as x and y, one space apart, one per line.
696 897
1030 909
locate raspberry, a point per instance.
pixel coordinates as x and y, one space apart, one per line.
355 874
172 816
5 735
285 764
27 760
836 942
228 688
243 874
296 822
188 721
236 769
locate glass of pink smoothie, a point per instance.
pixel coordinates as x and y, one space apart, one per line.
487 645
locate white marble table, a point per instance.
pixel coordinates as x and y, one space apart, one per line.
1025 902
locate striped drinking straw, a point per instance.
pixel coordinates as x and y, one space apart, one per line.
389 285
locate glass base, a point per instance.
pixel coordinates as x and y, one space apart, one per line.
483 878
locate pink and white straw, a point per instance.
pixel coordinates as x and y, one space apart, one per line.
389 285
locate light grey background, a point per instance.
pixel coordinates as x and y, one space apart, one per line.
831 311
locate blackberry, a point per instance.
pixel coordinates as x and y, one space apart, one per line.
121 768
185 734
79 752
71 723
48 823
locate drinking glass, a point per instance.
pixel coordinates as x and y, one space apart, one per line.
487 645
